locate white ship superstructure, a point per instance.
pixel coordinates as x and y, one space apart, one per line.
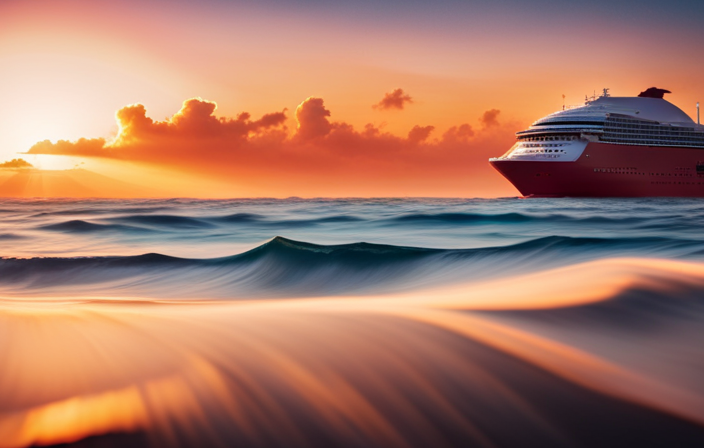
597 136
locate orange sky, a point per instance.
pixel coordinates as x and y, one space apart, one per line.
69 66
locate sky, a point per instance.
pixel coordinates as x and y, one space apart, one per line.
308 98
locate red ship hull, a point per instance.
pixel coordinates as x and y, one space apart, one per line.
607 170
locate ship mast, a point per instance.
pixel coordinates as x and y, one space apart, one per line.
605 94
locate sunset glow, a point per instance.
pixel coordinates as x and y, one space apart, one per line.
359 223
380 85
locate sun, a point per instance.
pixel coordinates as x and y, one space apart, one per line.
53 163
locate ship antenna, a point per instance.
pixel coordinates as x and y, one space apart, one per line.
698 113
563 102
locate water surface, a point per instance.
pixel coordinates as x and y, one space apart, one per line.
384 322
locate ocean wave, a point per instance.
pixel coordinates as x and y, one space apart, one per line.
239 218
80 226
427 368
174 222
134 223
11 236
203 223
283 266
164 221
96 210
264 221
570 322
513 217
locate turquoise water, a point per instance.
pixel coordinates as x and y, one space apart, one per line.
204 229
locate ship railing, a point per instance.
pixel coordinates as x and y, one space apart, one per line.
648 142
654 134
562 130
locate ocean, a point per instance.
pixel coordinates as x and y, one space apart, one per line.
352 323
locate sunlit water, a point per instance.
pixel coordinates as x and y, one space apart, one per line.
396 322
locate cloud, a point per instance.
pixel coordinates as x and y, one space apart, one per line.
419 133
321 157
133 123
394 100
312 118
196 119
490 118
141 138
83 147
461 133
16 164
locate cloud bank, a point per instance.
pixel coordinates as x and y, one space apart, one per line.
320 157
16 164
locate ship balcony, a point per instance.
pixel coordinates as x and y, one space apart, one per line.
549 149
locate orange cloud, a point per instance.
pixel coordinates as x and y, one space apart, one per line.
94 147
490 118
394 100
419 133
16 164
312 118
461 133
322 157
194 120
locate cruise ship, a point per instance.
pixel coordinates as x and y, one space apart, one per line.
609 147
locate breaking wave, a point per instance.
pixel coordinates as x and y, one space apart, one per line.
292 268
